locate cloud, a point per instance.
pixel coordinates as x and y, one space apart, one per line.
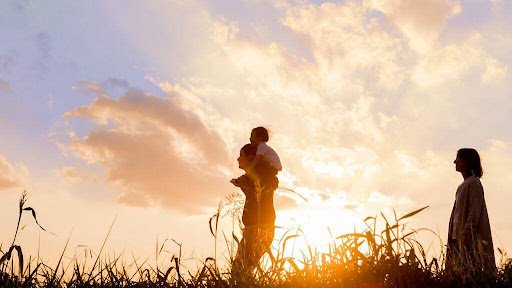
496 2
11 176
338 132
368 118
455 62
380 198
367 112
153 149
421 20
74 174
87 86
348 45
494 72
386 201
301 89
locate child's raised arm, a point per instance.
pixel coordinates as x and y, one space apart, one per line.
254 162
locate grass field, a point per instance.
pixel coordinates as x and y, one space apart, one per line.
373 257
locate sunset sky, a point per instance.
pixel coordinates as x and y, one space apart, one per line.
136 110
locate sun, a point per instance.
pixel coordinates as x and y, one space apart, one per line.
313 227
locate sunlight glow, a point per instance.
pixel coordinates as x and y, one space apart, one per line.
317 224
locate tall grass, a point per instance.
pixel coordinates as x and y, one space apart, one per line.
385 253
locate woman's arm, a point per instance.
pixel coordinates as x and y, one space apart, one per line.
475 203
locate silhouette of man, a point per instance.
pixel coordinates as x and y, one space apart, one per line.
259 214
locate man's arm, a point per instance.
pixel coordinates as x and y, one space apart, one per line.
244 183
235 182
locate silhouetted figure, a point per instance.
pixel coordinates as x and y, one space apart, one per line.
259 213
264 153
469 232
264 168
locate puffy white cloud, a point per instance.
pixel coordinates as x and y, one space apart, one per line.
153 148
374 111
421 20
494 72
74 174
496 2
349 46
11 176
366 113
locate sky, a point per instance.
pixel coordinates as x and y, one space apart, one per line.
133 113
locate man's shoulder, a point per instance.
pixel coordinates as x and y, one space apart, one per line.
244 178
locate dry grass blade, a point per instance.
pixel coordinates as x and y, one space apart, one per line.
367 258
35 218
205 268
30 277
102 246
294 192
20 259
412 213
60 260
139 267
288 238
8 255
180 278
163 278
294 265
210 225
350 235
23 200
369 218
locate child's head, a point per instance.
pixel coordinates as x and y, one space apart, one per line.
258 135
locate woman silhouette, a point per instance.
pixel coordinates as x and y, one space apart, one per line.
469 232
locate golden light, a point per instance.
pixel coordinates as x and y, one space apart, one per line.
315 224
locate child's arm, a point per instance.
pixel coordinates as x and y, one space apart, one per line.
254 162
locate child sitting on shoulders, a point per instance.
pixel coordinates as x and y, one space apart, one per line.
266 164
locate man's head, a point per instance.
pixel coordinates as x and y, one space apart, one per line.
247 153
